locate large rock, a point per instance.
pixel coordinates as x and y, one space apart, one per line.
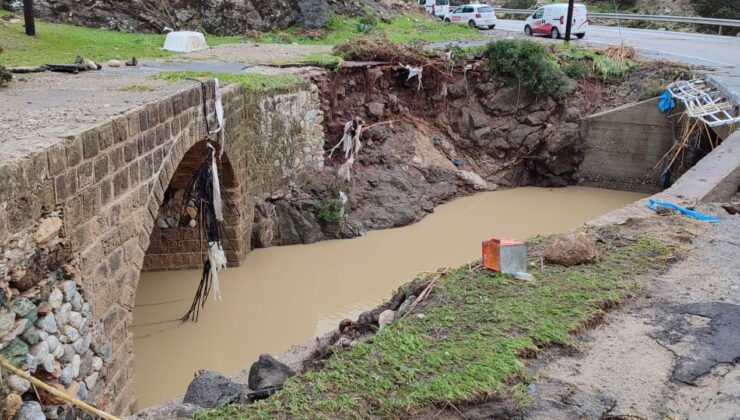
268 372
48 228
212 390
571 249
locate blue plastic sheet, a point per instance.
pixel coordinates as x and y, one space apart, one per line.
691 213
666 102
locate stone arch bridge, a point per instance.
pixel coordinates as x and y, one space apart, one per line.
113 186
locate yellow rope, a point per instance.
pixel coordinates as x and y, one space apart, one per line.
53 391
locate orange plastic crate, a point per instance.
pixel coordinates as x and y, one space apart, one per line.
505 255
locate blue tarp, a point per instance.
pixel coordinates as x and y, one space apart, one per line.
666 101
691 213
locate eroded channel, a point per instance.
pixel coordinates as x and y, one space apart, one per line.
283 296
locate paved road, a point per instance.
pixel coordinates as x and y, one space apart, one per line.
720 52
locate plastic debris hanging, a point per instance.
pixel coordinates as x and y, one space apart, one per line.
704 101
204 195
351 146
413 72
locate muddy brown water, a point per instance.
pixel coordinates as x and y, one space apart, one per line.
287 295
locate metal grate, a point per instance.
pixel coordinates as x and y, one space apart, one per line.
705 102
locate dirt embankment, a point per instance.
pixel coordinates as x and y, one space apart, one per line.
457 132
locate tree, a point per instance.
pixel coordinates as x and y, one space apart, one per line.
28 17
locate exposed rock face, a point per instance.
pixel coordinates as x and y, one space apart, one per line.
212 390
571 249
220 17
268 372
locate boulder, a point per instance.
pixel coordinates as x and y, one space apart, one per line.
386 318
571 249
48 228
212 390
375 109
268 372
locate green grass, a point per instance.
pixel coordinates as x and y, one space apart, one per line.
136 89
403 28
602 66
478 328
60 44
250 81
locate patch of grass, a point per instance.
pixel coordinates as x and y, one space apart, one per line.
602 66
321 59
136 89
250 81
403 28
478 327
61 43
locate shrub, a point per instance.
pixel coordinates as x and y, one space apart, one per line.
577 70
5 76
528 63
368 20
328 211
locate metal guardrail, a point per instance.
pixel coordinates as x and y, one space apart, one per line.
645 18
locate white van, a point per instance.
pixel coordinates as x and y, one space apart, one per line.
551 19
437 8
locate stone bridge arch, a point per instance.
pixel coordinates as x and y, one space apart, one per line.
110 182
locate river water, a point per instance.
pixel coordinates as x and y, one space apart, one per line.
287 295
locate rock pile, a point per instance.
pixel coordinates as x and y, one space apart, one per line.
171 214
46 327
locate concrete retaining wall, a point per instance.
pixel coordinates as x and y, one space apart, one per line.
623 146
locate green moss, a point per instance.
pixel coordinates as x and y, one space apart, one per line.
250 81
478 326
403 28
136 89
60 43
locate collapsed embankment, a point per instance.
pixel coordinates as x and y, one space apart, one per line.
456 131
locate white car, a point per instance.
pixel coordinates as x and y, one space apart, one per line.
551 19
436 8
473 15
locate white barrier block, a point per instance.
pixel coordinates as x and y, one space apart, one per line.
185 41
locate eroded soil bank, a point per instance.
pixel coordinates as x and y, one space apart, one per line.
287 295
458 132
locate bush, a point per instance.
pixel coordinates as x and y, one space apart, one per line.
5 76
529 64
577 70
368 20
328 211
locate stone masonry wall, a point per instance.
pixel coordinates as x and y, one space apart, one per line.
109 182
275 138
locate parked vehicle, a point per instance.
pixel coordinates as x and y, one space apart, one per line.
473 15
551 20
436 8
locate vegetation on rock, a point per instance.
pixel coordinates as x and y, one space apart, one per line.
528 63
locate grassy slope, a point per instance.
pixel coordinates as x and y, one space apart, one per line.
477 328
404 28
250 81
58 43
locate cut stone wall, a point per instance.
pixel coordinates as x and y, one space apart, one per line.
110 181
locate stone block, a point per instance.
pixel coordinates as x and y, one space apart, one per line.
85 174
116 157
105 136
143 120
152 111
73 150
89 143
133 173
101 167
57 156
120 129
120 182
132 119
106 191
131 149
90 202
65 185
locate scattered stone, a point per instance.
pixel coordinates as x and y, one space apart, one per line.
48 324
91 380
22 307
75 319
571 249
406 305
85 364
343 342
268 372
48 228
56 298
67 375
44 309
18 384
40 350
62 314
75 364
420 316
68 354
69 288
97 363
72 334
386 318
85 310
13 403
212 390
77 301
30 410
375 109
52 342
83 393
53 412
32 336
115 63
523 276
7 321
